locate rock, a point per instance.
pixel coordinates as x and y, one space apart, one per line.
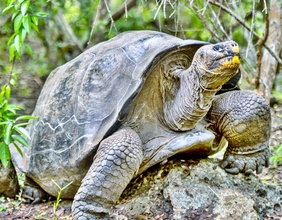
186 189
9 185
235 205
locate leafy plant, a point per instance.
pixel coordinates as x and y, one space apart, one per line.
2 207
24 21
12 123
41 216
58 200
11 126
277 95
276 158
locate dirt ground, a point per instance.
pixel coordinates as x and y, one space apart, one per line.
12 209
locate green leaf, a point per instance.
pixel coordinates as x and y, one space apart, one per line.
22 34
23 132
34 20
4 122
3 105
12 51
10 2
5 155
24 7
18 149
41 14
15 75
34 27
15 107
7 8
2 94
8 92
13 82
28 49
8 110
18 44
27 23
20 139
15 15
11 39
7 133
21 125
8 116
26 117
18 22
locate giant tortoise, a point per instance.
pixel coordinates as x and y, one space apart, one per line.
129 103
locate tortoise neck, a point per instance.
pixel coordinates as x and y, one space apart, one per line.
191 103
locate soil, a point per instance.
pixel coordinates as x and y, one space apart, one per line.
12 209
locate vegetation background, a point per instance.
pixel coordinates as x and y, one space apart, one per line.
72 26
59 30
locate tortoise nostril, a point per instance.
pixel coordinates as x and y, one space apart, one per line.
234 44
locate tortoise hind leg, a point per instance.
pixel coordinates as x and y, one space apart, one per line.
243 118
117 160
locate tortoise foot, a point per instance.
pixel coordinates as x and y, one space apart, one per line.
33 193
88 211
245 163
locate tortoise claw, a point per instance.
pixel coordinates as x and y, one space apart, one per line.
245 163
259 169
233 170
226 162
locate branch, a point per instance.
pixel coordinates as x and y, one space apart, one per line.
219 23
261 42
200 15
123 10
279 128
65 25
279 60
111 22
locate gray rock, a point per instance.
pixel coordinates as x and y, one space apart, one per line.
8 181
182 189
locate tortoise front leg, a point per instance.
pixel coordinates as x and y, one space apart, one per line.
243 118
117 160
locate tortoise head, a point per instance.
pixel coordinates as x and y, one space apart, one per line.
217 63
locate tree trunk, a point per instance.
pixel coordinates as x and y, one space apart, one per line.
274 41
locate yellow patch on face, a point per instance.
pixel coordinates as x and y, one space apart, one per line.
235 60
229 64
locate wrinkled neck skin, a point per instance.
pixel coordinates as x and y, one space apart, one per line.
192 101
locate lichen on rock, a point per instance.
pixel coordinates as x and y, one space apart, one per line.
188 189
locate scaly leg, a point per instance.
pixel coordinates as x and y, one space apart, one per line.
243 118
117 160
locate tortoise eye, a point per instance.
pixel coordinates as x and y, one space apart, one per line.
218 48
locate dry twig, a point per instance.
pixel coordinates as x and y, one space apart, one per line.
204 21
